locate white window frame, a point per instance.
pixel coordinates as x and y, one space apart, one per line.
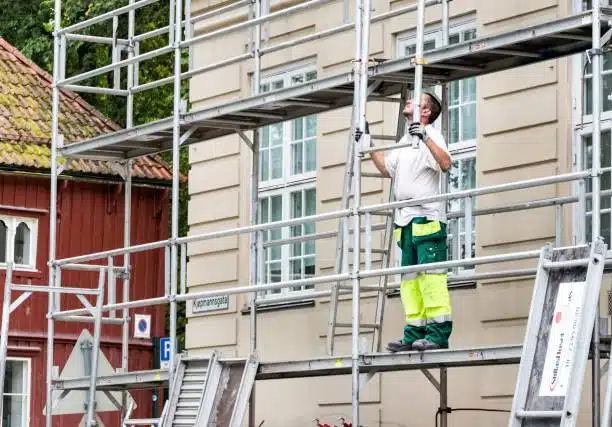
287 179
28 387
462 149
288 183
285 193
12 222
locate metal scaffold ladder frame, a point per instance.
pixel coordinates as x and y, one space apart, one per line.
365 82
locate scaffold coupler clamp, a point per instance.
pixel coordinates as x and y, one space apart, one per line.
593 52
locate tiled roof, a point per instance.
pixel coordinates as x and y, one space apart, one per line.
25 122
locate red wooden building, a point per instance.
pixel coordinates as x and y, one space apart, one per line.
90 218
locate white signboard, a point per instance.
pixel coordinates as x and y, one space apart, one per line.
562 339
206 304
142 326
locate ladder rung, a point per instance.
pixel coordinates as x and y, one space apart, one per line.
566 264
371 175
374 251
539 414
384 137
361 325
142 422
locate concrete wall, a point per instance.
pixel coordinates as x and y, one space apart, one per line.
516 139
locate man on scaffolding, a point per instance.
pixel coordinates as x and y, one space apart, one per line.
420 231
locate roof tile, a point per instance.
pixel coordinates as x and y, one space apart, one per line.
25 122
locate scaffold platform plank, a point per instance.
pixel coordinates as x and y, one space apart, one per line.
326 366
524 46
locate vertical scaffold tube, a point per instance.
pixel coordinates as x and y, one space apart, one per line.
362 35
6 306
127 207
418 68
57 72
176 140
596 203
254 184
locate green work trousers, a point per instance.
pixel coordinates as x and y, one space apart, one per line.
424 295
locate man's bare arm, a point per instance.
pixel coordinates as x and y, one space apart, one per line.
439 154
378 157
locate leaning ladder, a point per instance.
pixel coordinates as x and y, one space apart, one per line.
343 242
556 348
205 392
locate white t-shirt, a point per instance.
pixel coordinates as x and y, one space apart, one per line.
417 175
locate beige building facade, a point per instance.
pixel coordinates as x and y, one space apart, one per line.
523 123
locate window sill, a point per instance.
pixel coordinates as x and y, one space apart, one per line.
281 306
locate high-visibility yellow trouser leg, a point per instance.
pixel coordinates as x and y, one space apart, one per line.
436 307
414 309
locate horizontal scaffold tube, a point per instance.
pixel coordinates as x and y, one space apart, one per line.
308 282
108 15
333 215
517 185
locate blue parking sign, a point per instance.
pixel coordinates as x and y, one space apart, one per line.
164 352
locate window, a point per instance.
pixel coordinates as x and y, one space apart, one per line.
287 188
606 183
18 241
461 130
16 393
288 149
583 118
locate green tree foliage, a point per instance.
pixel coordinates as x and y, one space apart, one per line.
28 25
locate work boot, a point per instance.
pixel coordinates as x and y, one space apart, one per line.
399 345
425 344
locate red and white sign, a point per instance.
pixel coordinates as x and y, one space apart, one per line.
562 339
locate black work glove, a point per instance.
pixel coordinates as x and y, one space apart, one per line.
417 129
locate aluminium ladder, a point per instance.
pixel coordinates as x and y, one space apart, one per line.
558 336
205 392
344 245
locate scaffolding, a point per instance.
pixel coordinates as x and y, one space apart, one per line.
369 81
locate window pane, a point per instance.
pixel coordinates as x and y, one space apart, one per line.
263 210
468 90
276 134
22 244
453 39
311 126
454 124
276 203
311 75
15 377
309 270
297 127
453 93
295 272
264 170
468 120
278 84
277 162
311 155
265 137
13 411
469 34
297 166
311 209
3 236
